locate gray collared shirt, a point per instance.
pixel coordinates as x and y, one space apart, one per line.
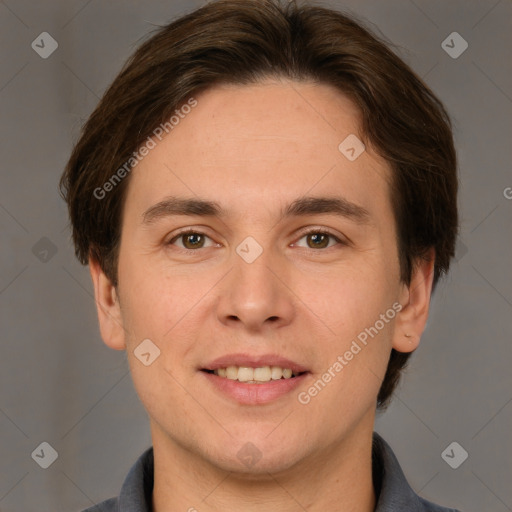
391 487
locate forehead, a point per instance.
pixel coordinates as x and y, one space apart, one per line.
264 144
275 118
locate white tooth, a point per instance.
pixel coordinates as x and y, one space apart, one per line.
262 374
276 372
232 372
245 374
255 375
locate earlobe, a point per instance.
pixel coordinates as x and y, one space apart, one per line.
415 301
108 308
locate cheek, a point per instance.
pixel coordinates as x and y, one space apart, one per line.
353 365
168 310
348 300
156 308
357 306
153 301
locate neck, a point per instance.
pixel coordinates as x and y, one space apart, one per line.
338 478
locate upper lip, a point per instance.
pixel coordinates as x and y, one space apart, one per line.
254 361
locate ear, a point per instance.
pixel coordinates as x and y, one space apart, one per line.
415 302
107 305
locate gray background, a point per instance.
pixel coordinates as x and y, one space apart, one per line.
61 385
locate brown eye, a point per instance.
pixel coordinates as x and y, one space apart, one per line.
318 240
192 240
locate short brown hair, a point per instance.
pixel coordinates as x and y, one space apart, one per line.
244 42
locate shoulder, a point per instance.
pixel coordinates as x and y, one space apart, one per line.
136 491
394 492
110 505
428 506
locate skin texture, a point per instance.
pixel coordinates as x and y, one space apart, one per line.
254 149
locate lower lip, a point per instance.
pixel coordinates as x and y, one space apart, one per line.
254 394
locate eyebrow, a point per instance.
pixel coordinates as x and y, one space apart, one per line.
302 206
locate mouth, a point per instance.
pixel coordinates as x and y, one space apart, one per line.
254 380
251 379
258 375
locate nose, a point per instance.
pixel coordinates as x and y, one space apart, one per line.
255 295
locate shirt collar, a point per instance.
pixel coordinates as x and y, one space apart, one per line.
391 487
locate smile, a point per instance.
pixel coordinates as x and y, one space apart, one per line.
258 375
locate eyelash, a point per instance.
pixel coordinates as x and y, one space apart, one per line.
315 231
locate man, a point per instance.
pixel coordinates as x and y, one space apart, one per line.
266 198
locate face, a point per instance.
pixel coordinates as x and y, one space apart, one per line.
286 260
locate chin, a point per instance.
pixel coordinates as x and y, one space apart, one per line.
258 455
275 463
